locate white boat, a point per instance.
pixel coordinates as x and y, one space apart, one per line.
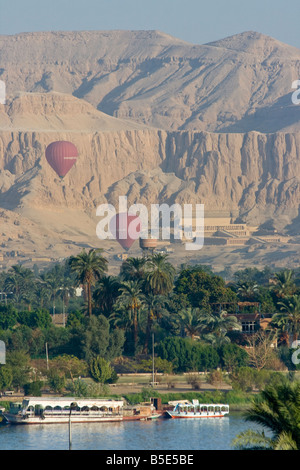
37 410
198 410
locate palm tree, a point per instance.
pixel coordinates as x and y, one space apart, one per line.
190 321
42 294
52 283
248 290
18 281
155 308
88 266
288 320
285 285
133 269
160 274
215 326
276 409
132 299
106 294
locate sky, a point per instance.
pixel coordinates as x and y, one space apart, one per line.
195 21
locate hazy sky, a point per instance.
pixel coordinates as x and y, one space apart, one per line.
196 21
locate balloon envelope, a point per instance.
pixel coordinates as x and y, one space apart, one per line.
125 228
61 156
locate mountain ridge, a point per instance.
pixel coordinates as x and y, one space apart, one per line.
154 118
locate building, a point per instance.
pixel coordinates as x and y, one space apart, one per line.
222 230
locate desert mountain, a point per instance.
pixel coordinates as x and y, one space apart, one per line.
53 111
154 118
237 84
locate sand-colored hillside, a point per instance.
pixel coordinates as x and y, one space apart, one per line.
236 84
155 119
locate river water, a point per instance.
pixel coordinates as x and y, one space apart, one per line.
160 434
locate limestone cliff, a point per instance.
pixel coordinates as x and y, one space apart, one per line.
254 174
153 118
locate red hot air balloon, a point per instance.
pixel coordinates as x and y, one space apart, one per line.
125 228
61 156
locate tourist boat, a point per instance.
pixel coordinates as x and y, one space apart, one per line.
37 410
198 410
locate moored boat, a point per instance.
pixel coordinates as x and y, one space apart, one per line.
37 410
198 410
141 412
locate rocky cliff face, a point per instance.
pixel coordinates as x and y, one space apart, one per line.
251 173
187 124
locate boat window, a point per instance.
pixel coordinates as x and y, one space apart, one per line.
85 408
57 407
14 408
103 408
48 408
94 408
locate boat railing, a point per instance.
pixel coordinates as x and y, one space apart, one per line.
205 409
66 412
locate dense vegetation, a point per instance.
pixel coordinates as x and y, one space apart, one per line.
191 312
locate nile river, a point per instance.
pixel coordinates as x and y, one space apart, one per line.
160 434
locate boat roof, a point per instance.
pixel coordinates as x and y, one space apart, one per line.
67 401
201 404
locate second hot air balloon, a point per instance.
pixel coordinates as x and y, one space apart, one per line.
125 229
61 156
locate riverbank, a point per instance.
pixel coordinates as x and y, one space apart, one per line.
238 401
137 388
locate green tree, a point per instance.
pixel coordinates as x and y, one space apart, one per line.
132 300
18 361
98 339
160 274
6 378
88 267
277 409
215 326
133 269
100 369
51 283
106 294
67 366
156 309
19 282
36 319
33 388
248 291
284 283
190 321
8 317
187 355
56 381
253 275
232 357
289 318
204 290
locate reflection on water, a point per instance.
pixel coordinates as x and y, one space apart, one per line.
161 434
